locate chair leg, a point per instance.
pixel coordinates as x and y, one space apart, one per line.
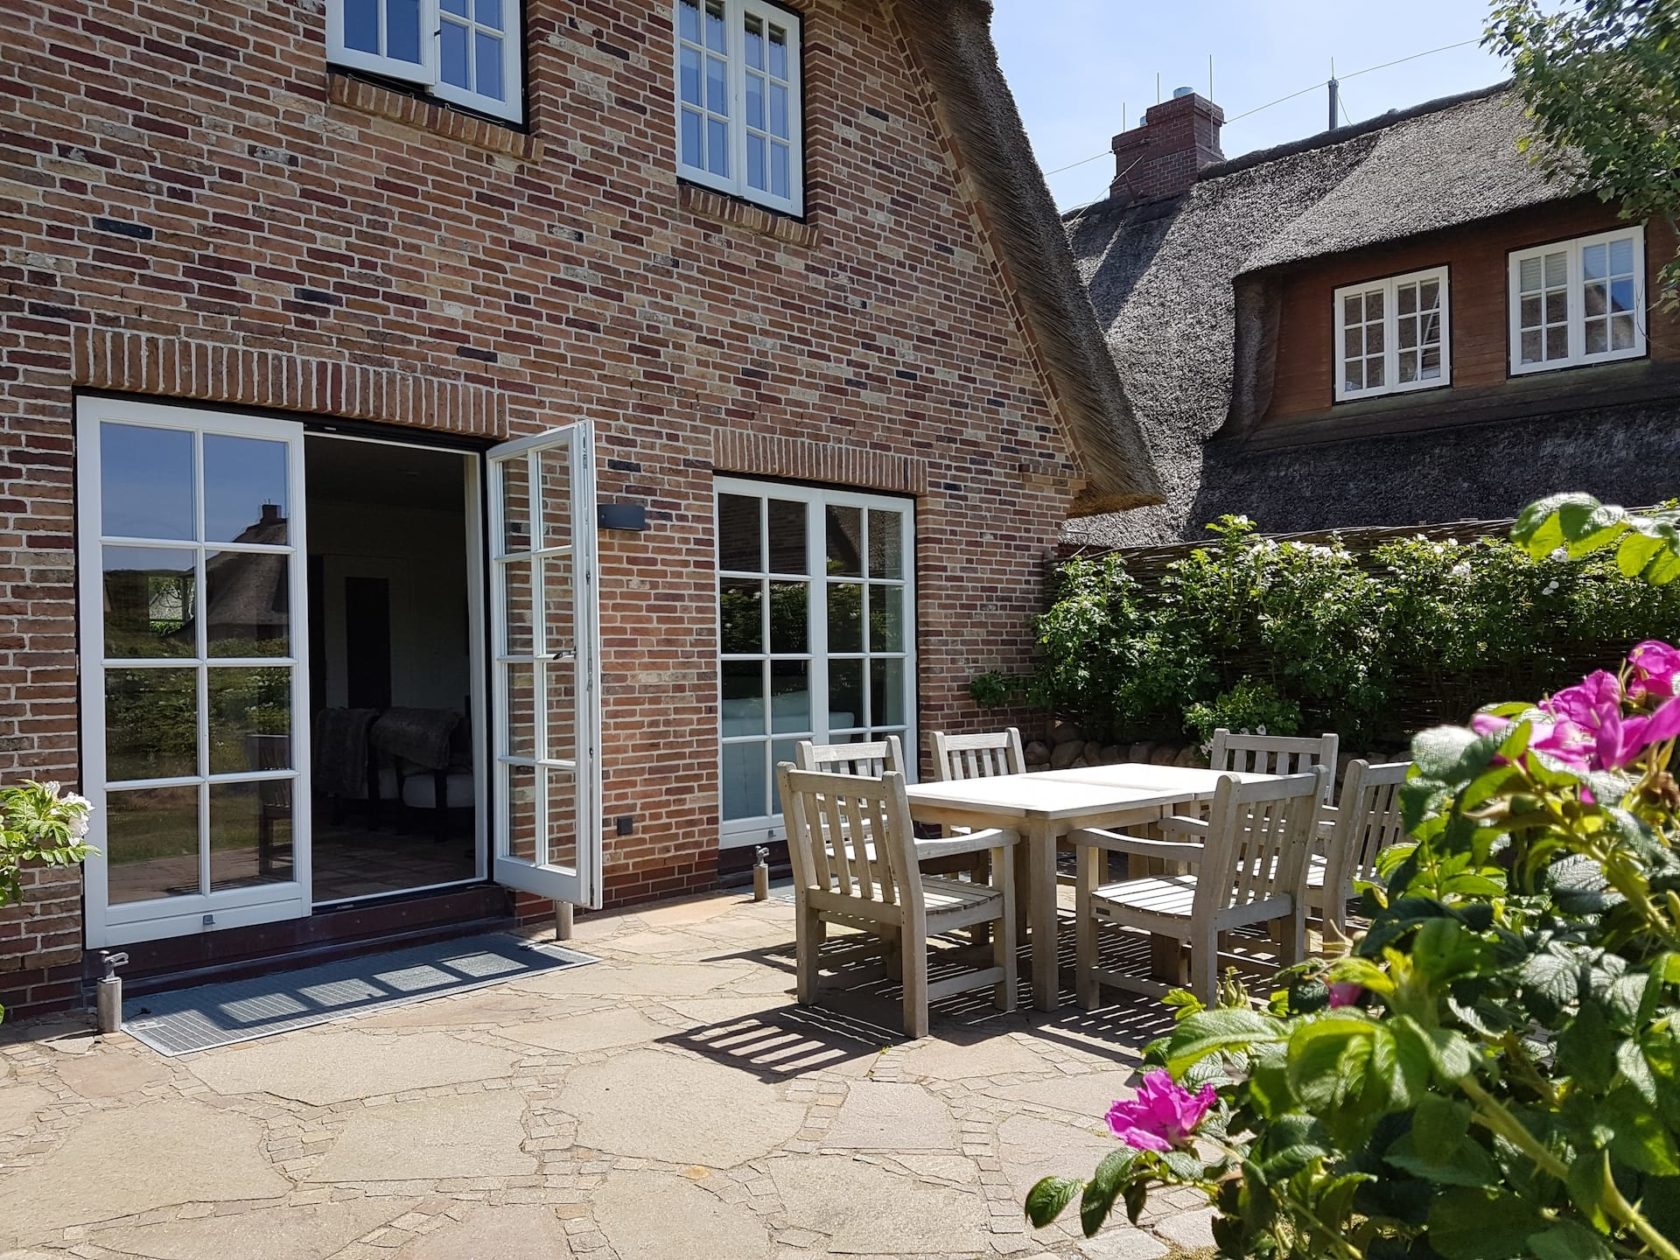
1004 952
1292 936
809 932
1204 967
914 956
1023 882
1086 984
980 873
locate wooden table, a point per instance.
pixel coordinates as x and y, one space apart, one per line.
1044 807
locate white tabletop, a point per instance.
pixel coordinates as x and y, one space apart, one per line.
1194 780
1039 796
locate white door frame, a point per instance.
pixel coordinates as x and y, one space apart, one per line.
769 828
582 884
131 922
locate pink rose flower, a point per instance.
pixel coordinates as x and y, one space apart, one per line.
1345 993
1161 1116
1654 671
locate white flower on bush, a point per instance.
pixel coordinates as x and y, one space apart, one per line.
1550 587
1461 569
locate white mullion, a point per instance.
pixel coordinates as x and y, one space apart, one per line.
203 667
736 43
816 560
539 647
1391 335
1575 302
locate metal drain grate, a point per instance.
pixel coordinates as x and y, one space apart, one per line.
184 1020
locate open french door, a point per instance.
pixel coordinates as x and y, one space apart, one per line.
545 633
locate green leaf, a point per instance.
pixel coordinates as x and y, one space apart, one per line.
1469 1224
1098 1200
1640 1140
1449 1054
1228 1028
1569 1240
1452 754
1046 1200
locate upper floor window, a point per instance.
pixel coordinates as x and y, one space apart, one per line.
466 52
1579 301
738 103
1391 335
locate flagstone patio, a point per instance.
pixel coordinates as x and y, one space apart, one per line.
671 1103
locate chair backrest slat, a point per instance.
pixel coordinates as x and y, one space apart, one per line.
961 757
872 759
1258 840
823 811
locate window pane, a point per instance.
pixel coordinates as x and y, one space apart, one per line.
755 42
743 698
149 602
559 682
844 529
790 697
245 497
688 19
1406 299
845 694
1598 336
560 804
1407 331
516 504
1373 306
1432 363
717 86
845 617
1531 347
745 780
1531 312
740 533
453 49
519 609
886 618
1621 258
1557 270
780 180
1353 374
778 52
361 25
755 101
790 616
151 723
250 833
521 716
1373 373
779 110
1621 295
740 615
886 544
554 496
151 844
717 147
457 7
402 30
250 719
717 38
1528 275
489 13
1557 343
692 141
146 481
1597 297
1593 259
886 693
247 604
1621 332
689 80
1374 340
1353 311
1429 295
1353 342
787 537
489 66
1406 367
1557 307
521 787
755 163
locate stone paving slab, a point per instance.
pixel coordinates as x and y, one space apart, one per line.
669 1102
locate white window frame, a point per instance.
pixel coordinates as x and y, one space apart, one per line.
1575 298
427 73
1391 341
735 14
766 829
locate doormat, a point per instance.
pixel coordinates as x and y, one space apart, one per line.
181 1021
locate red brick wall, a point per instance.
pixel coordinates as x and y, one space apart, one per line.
1478 280
1161 156
192 207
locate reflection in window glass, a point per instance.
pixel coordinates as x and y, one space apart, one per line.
740 615
790 617
790 696
151 723
743 698
844 530
247 603
845 617
250 833
250 719
146 482
745 780
886 545
245 497
787 536
740 534
151 844
150 604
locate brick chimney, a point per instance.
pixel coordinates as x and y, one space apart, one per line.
1161 157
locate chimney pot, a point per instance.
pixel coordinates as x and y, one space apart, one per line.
1163 154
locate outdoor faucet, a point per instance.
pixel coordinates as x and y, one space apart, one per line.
109 991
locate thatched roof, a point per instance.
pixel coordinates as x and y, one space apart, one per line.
1184 288
952 43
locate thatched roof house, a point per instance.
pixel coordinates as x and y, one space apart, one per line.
1216 296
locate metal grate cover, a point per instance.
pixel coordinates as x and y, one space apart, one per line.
184 1020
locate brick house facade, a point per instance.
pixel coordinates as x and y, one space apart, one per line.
199 210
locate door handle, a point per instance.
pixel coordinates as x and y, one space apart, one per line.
565 654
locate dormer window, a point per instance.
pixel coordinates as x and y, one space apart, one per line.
1578 302
466 52
1391 335
738 100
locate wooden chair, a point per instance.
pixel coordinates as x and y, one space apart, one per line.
957 757
1274 754
1366 822
871 760
1245 864
838 882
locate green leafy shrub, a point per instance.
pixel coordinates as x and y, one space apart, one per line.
38 823
1248 707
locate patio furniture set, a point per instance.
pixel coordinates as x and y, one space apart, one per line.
1251 843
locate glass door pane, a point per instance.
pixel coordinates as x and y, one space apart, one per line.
548 835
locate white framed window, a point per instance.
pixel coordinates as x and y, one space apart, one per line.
466 52
1580 301
816 634
739 114
1392 335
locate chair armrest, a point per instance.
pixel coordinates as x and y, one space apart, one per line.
972 842
1194 828
1115 842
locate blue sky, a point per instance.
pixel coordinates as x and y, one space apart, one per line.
1073 63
